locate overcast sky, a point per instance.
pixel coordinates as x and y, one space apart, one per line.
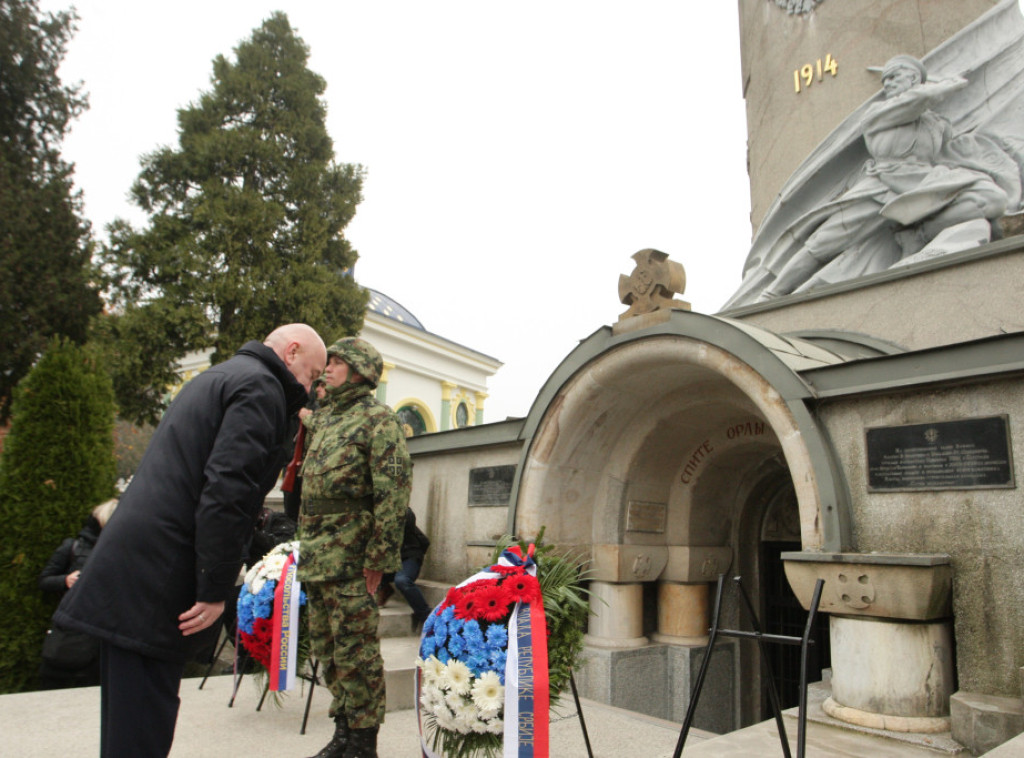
517 154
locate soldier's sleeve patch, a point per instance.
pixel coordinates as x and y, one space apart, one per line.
393 467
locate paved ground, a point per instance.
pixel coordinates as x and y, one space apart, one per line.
66 723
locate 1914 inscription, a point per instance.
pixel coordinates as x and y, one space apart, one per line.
968 454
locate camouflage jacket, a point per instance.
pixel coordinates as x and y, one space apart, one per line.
356 479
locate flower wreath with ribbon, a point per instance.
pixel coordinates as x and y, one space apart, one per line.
484 681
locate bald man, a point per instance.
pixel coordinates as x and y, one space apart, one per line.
168 559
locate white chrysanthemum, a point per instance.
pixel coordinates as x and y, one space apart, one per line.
496 727
444 717
454 701
488 692
458 677
465 715
433 671
257 585
430 699
252 573
272 566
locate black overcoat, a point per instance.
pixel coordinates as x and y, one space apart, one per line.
180 529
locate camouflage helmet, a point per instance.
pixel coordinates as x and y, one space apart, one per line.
361 356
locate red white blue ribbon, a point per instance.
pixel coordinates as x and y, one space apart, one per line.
285 640
526 672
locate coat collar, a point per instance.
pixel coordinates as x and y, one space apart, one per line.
295 394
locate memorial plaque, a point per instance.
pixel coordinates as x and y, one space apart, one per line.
491 485
946 455
646 517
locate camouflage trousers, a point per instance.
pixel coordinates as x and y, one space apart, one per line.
343 637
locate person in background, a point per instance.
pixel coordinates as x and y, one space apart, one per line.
71 659
291 486
167 561
357 476
414 547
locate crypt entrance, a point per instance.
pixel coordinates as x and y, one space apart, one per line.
671 454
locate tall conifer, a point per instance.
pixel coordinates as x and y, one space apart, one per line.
45 245
246 221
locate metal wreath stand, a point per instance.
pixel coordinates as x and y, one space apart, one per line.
762 640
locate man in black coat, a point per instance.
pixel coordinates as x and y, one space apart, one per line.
168 559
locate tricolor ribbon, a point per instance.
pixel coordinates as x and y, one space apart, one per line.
526 672
285 640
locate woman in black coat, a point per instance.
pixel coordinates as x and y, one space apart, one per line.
71 659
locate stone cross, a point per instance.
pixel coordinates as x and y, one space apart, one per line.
653 284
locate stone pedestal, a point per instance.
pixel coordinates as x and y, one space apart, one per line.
891 675
616 615
891 635
683 613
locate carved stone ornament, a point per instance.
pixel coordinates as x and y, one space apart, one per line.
653 284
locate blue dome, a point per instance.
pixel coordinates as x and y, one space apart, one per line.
385 306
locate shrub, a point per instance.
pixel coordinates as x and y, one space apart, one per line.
57 464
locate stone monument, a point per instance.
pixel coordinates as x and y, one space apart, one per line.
939 149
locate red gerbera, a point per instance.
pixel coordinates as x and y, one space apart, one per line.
258 643
524 588
492 603
452 597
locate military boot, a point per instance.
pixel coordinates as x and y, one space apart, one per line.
362 743
336 747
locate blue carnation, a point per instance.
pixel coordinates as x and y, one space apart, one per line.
497 636
472 632
245 615
456 645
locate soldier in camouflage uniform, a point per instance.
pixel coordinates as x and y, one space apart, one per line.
357 475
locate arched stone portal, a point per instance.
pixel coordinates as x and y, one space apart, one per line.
646 448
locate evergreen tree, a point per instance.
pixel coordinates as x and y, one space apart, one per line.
45 246
246 222
58 463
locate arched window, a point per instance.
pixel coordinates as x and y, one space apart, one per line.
412 421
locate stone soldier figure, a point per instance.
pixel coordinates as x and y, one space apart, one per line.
357 475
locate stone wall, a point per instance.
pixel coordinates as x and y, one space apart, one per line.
460 532
981 529
959 297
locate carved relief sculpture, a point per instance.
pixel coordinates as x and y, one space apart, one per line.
942 153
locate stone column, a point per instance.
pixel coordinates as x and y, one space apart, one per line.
446 405
683 617
890 674
480 397
616 615
382 385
